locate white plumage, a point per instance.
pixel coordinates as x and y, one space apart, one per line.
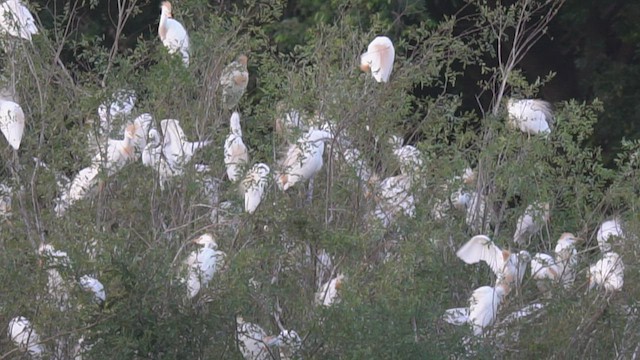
409 157
173 35
235 152
202 264
327 295
93 285
478 214
533 219
288 343
118 153
566 257
608 272
57 287
394 197
482 311
11 122
303 160
531 116
175 147
251 341
608 229
23 335
506 266
234 80
379 59
78 188
16 20
254 184
117 110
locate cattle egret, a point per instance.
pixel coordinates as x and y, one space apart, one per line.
482 310
251 341
535 217
5 200
173 35
57 287
327 295
544 269
607 230
478 215
379 59
152 157
288 342
23 335
94 286
409 157
234 80
303 160
289 121
235 152
16 20
530 116
508 267
567 258
77 189
254 184
460 198
175 147
142 125
608 272
202 264
11 122
118 153
393 197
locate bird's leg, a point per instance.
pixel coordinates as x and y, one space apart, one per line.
310 191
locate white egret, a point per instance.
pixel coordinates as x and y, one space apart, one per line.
379 59
236 155
251 340
607 230
16 20
544 269
94 286
253 185
288 342
175 147
6 194
142 125
120 107
460 199
173 35
531 116
289 121
479 214
566 257
202 264
78 188
303 159
328 295
394 197
409 157
152 157
11 122
482 311
234 80
607 272
535 217
57 287
118 153
23 335
508 267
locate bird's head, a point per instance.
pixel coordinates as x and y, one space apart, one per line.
243 59
205 240
166 8
365 66
469 176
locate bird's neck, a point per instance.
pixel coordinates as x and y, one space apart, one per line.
162 27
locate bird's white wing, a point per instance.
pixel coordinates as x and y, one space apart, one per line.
456 316
481 248
543 266
11 122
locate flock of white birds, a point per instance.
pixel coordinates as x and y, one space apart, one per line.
167 150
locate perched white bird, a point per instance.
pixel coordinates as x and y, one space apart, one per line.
535 217
175 147
303 160
608 272
482 310
566 257
152 157
254 184
394 197
116 111
288 343
379 58
236 155
57 287
508 267
93 285
460 199
289 121
118 153
607 230
16 20
5 200
327 295
478 215
173 35
23 335
409 157
78 188
251 341
234 80
544 269
202 264
530 116
11 122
